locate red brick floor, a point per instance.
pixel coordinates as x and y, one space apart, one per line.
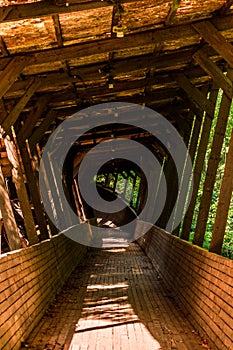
114 300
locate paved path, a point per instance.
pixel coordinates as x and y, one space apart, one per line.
114 301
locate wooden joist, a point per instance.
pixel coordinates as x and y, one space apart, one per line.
225 8
14 114
9 75
212 69
214 38
194 94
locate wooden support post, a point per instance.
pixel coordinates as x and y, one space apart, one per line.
9 75
215 39
14 114
216 74
18 180
201 153
194 94
33 186
215 153
223 203
10 225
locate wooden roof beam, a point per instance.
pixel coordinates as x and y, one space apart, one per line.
194 94
49 8
9 75
215 39
172 12
217 75
14 114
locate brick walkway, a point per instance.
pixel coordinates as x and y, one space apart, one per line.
114 301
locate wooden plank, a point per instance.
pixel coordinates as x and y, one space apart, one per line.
58 31
212 168
14 114
194 94
212 69
8 216
9 75
172 12
214 38
18 180
39 132
30 122
223 203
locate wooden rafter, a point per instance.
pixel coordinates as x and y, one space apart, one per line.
214 38
14 114
212 69
9 75
194 94
172 12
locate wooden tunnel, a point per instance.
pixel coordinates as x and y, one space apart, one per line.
59 57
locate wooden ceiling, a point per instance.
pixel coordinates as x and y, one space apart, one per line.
60 56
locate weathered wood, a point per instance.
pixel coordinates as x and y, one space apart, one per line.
7 214
58 31
172 12
212 69
18 180
9 75
223 203
212 168
33 186
39 132
33 117
14 114
201 154
194 94
49 8
214 38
